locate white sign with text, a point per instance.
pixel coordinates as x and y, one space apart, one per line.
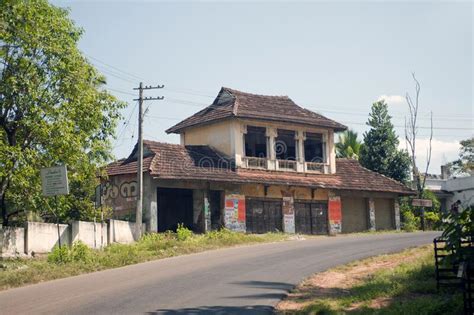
54 181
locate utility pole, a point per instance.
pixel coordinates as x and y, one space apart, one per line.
141 99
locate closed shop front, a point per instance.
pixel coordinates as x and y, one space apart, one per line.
311 218
263 215
384 214
354 214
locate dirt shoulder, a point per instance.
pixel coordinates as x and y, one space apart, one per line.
373 285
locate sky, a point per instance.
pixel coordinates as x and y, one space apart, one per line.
336 58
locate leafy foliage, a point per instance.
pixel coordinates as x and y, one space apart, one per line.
348 145
465 163
53 110
183 233
460 226
78 252
411 220
380 151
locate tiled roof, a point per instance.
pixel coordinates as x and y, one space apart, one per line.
173 161
231 103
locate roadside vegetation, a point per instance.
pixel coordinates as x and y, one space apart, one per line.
78 259
402 283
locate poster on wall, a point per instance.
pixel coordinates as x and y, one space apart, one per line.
335 215
288 215
234 217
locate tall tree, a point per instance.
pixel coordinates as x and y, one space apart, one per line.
348 145
380 151
53 109
465 163
411 133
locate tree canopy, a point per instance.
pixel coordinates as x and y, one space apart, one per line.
465 163
53 109
380 151
348 145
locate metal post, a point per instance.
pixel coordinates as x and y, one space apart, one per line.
423 218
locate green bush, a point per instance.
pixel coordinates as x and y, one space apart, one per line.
78 252
410 222
183 233
432 220
59 255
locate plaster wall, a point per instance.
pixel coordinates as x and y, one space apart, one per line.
12 241
217 135
42 237
92 234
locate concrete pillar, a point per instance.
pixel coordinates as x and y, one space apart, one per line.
300 159
198 206
288 215
201 211
271 134
150 203
396 212
331 153
371 214
206 211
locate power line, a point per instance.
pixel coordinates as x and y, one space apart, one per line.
113 67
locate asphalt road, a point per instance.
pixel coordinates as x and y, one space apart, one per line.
247 279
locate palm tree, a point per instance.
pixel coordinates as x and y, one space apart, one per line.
348 145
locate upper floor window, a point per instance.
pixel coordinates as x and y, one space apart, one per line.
285 145
256 142
314 148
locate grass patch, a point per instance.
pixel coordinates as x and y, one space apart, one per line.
80 259
402 283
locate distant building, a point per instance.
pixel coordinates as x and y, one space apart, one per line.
255 163
450 189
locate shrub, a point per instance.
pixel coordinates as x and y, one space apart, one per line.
79 252
432 220
183 233
59 255
410 222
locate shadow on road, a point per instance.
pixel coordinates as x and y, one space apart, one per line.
255 309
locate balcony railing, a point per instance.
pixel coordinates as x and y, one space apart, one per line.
316 167
254 162
286 165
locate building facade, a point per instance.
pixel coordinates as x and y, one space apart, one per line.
258 164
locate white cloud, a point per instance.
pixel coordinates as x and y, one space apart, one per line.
442 152
392 99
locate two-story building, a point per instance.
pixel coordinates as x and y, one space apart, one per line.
255 163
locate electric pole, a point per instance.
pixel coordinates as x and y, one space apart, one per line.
141 99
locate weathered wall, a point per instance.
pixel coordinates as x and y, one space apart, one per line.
354 214
122 232
120 193
384 214
217 135
274 191
12 241
42 237
198 211
92 234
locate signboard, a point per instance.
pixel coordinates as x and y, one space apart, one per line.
422 203
234 216
335 215
54 181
